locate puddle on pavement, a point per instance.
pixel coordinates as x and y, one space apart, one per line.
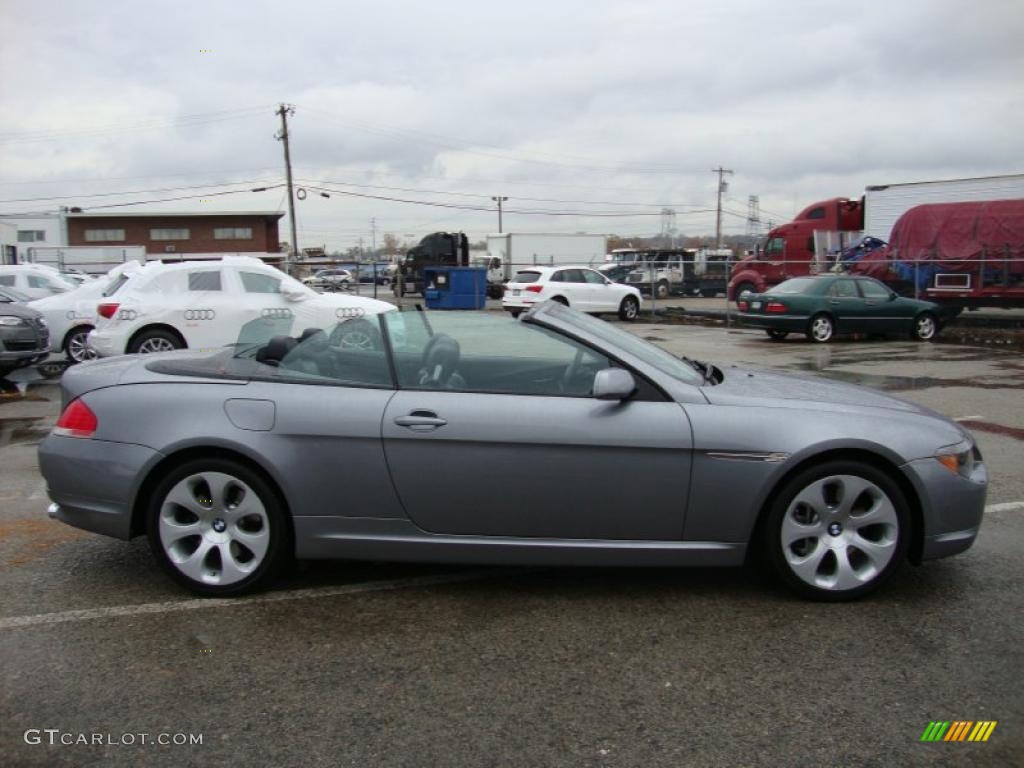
24 430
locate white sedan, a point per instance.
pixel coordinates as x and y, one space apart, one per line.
72 315
582 288
210 304
34 280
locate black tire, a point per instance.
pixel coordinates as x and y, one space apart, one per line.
75 348
925 327
851 573
776 335
515 312
821 328
561 300
150 341
661 290
629 309
279 548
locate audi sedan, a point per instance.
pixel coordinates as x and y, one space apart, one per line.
476 438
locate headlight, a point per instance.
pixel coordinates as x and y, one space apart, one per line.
958 459
42 322
11 320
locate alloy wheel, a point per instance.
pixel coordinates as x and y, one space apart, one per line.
214 528
821 328
156 344
78 349
839 533
924 327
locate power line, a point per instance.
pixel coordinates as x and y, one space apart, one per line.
29 137
131 192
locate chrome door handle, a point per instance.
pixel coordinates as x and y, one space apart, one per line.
421 421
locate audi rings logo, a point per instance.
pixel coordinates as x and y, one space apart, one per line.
349 313
200 314
276 313
127 314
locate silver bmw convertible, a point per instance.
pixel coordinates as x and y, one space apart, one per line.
461 437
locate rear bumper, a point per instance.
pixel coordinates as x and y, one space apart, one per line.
790 323
953 506
93 482
105 344
518 302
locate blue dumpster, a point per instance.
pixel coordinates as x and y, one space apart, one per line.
454 287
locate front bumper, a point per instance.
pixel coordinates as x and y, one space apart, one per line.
93 482
23 345
952 506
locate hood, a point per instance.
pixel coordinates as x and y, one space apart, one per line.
15 309
766 388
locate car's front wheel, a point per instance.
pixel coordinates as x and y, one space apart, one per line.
629 309
821 329
837 531
76 345
217 527
925 327
156 340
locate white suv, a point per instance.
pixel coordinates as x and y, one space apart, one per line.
209 304
582 288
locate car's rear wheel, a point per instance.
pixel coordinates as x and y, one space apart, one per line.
776 335
217 527
76 345
156 340
925 327
629 309
745 288
821 328
837 531
515 312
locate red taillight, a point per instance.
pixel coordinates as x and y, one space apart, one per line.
76 421
535 288
742 306
107 310
775 306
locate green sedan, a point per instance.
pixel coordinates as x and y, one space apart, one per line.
823 306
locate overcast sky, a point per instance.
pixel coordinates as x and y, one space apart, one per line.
566 105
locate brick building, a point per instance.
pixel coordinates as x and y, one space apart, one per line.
167 234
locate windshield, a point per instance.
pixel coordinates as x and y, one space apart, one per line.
626 257
10 295
654 356
795 285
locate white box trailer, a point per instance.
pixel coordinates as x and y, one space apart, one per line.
510 251
884 204
92 260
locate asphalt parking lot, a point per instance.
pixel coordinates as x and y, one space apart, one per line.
367 664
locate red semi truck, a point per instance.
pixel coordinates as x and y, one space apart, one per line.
816 238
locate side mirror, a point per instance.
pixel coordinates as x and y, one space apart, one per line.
613 384
291 293
893 296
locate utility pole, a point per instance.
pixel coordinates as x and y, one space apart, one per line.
373 250
722 186
499 200
284 110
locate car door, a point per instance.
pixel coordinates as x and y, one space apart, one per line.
881 313
846 306
207 313
570 284
508 442
602 296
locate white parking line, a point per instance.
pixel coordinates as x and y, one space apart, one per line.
171 606
1009 506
